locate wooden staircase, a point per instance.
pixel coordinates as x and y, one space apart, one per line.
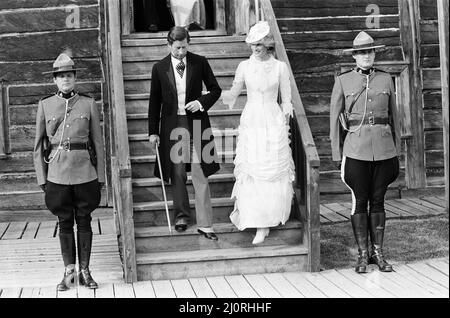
149 251
188 254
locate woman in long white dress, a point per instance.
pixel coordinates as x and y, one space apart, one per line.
264 169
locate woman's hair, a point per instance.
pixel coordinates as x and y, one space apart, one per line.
178 33
269 42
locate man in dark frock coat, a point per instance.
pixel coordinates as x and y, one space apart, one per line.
179 125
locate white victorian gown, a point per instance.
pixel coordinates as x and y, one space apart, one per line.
264 169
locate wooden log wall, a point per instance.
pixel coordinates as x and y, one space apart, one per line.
32 35
316 32
432 97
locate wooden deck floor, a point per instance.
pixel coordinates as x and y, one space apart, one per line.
30 266
30 255
428 279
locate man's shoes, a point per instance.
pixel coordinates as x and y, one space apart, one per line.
181 225
209 235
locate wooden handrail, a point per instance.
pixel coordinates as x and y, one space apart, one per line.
121 164
304 152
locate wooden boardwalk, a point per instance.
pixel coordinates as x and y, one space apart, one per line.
31 266
428 279
30 254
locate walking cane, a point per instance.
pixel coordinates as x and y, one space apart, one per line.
163 189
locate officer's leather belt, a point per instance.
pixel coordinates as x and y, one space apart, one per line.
370 120
67 145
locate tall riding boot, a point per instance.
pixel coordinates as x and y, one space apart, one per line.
84 255
67 242
377 222
359 224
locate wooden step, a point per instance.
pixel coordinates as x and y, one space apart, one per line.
224 142
163 34
214 262
154 213
138 103
158 239
140 85
220 120
157 51
218 63
143 166
150 189
206 40
209 56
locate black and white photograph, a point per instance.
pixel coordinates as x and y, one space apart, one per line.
227 157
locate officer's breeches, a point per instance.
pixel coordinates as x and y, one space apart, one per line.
368 182
73 203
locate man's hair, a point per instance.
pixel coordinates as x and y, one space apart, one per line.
178 33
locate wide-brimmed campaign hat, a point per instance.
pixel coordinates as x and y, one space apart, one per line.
260 33
363 41
63 63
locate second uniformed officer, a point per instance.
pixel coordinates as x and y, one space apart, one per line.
363 109
68 158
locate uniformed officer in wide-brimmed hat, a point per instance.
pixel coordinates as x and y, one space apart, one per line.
365 135
68 158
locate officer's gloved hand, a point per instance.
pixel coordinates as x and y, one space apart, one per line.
101 185
43 186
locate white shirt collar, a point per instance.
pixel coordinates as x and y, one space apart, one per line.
175 61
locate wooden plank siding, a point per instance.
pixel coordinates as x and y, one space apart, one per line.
33 34
432 107
444 53
316 32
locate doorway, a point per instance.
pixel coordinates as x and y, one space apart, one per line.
153 18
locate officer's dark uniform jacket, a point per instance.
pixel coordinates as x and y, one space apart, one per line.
372 141
69 166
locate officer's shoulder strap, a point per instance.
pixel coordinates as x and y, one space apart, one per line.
48 96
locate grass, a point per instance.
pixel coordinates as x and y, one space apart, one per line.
405 240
